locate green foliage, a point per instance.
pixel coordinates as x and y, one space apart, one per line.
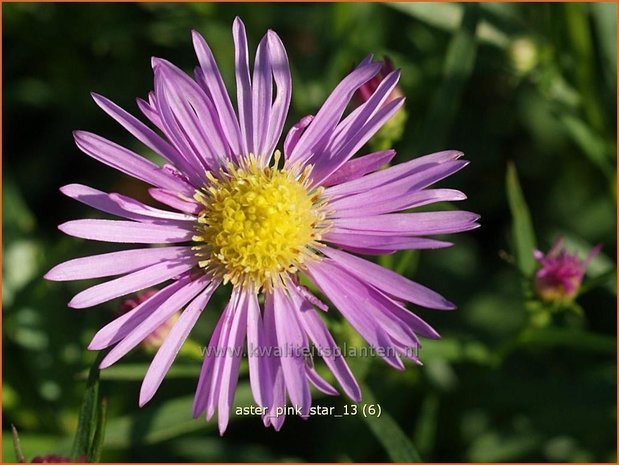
510 84
91 423
522 228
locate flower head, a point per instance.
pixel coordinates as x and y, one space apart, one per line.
560 274
244 216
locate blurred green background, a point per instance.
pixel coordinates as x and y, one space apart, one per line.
532 84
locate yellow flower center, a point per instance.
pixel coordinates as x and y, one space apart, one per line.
258 223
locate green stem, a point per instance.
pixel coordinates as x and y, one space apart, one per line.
19 455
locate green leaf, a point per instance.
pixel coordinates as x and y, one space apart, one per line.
591 144
457 69
156 423
457 350
580 39
425 430
88 421
571 339
94 452
522 227
407 262
398 446
448 16
136 372
605 19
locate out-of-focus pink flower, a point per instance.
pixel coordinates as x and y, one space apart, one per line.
561 273
156 338
367 89
57 459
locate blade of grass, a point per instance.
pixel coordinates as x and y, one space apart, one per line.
398 446
425 430
458 66
448 17
94 452
19 455
136 372
87 422
569 339
522 226
579 34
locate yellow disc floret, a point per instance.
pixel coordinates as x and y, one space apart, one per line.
258 223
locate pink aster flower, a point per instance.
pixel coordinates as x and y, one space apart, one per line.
560 274
243 215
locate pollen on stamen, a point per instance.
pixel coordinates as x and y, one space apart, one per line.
259 224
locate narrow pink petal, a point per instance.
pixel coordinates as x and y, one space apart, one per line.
591 255
219 354
188 112
139 130
216 88
149 109
136 281
311 298
391 174
155 320
283 83
379 206
127 232
357 167
389 281
291 343
231 363
114 263
406 316
171 199
353 144
139 208
379 245
97 199
331 111
243 85
351 298
320 383
122 326
170 108
295 133
399 191
262 96
257 355
108 203
331 354
273 416
202 390
171 345
128 162
421 224
353 123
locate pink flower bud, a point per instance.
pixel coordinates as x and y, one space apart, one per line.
367 89
561 273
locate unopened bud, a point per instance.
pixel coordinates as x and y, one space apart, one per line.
561 273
